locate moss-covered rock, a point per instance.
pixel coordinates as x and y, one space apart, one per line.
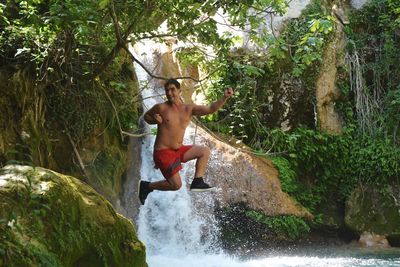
376 210
49 219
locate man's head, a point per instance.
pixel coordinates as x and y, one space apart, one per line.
172 90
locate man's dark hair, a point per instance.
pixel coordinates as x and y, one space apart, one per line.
174 82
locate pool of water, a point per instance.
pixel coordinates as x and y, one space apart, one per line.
318 257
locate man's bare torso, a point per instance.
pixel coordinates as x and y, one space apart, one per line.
175 119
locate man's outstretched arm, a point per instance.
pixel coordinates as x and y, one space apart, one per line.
213 107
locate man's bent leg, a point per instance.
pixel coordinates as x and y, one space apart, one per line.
201 153
145 188
171 184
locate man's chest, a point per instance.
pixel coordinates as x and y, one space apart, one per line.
176 117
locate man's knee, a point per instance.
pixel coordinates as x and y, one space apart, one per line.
175 187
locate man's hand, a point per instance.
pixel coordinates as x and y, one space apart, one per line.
199 110
152 116
228 92
157 117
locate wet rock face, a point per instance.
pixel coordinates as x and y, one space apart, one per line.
373 210
50 219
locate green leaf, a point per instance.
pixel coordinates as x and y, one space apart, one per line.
315 24
103 3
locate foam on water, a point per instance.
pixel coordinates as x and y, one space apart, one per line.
222 260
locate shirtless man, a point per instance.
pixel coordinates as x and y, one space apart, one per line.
172 117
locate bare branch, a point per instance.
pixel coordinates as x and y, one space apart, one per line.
154 36
230 25
81 165
135 135
266 10
115 22
121 41
108 60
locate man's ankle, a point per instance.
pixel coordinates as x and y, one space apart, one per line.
150 187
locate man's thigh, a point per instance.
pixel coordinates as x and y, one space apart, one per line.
195 152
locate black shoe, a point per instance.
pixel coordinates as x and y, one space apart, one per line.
198 185
143 191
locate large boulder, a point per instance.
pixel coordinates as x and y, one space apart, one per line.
242 177
368 240
375 210
49 219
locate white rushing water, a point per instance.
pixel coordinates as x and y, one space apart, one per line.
168 224
296 261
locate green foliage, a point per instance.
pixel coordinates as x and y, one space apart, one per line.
370 161
269 90
290 226
74 50
243 112
312 43
287 175
304 39
326 163
20 155
373 34
392 107
315 167
306 152
25 32
78 111
240 118
42 27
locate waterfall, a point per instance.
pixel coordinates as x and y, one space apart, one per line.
169 224
358 4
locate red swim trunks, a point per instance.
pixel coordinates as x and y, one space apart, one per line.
169 160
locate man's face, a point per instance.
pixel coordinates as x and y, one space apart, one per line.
172 93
